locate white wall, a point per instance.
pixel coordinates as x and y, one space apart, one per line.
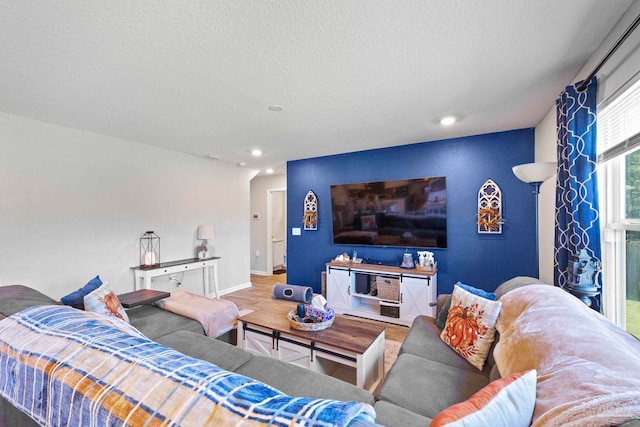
73 204
614 77
546 131
260 186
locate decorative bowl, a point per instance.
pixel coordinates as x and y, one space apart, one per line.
309 323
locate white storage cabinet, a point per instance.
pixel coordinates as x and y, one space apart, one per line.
417 296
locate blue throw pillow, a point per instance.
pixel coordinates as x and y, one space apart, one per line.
76 298
481 293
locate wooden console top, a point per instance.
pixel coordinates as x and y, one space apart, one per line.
375 268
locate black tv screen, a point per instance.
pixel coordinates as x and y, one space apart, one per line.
406 213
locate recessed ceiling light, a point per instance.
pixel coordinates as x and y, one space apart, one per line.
242 164
447 120
256 152
275 108
269 171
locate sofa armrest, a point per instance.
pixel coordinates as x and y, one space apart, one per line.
15 298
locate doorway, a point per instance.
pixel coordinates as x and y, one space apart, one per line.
277 230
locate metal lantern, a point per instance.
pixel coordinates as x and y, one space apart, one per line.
149 250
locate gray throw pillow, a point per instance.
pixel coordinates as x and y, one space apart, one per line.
441 321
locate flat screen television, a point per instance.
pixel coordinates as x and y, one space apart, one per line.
404 213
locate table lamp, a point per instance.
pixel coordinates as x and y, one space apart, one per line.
205 233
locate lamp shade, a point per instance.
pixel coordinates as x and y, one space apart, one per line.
205 232
535 172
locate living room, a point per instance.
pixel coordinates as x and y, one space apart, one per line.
79 192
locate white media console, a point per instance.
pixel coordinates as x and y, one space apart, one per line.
351 290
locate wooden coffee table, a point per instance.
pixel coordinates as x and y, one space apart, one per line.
351 350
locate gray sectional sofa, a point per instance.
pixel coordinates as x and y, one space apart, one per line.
150 320
187 336
407 399
427 377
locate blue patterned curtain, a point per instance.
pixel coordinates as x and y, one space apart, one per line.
577 217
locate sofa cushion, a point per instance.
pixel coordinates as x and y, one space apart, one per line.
507 402
427 387
390 415
470 328
15 298
221 354
297 381
423 340
155 322
495 373
515 283
10 416
104 301
76 298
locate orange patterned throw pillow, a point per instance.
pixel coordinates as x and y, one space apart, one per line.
470 327
104 301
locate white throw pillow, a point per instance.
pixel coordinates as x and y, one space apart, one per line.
104 301
471 325
507 402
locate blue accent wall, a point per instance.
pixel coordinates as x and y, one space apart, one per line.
480 260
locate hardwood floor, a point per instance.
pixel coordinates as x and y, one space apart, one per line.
259 296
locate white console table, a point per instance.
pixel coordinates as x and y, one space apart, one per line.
209 266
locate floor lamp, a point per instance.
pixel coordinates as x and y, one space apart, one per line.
535 174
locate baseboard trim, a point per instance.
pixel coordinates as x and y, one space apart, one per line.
235 288
260 273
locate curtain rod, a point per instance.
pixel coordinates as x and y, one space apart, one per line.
615 47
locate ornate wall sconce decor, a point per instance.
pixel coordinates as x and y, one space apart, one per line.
310 218
490 208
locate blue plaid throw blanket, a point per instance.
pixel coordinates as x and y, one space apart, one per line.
63 366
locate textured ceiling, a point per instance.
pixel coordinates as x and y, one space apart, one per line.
198 76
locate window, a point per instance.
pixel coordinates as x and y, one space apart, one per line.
619 181
632 303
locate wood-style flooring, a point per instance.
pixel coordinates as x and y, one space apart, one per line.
259 296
